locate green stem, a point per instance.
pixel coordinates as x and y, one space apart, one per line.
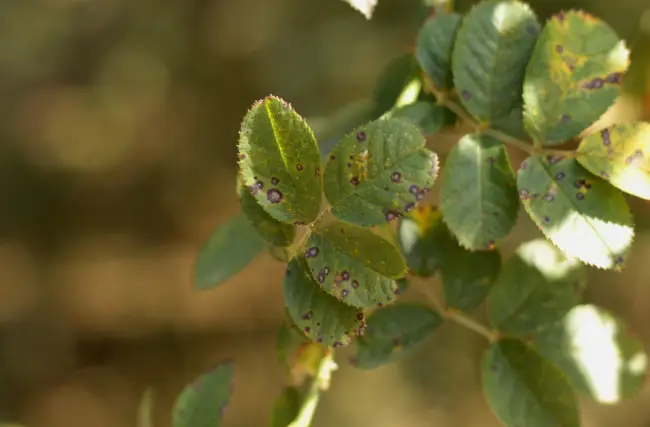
320 382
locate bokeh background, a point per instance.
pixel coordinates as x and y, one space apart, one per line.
118 131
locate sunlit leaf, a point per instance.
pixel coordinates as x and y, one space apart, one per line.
479 195
231 247
523 389
270 229
599 355
467 276
392 80
286 407
392 331
379 172
621 155
202 403
573 76
280 162
323 318
537 286
434 48
426 115
580 213
425 240
492 48
354 264
366 7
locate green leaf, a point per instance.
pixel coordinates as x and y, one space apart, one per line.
618 154
392 80
202 403
537 286
286 407
426 115
425 240
392 331
354 264
479 196
231 247
402 286
580 213
595 350
468 276
573 76
270 229
523 389
322 317
280 162
490 54
366 7
379 172
434 48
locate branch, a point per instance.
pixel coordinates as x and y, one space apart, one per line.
321 382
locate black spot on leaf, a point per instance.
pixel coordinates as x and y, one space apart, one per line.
361 136
274 195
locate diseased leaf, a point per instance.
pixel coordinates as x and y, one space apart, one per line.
479 195
202 403
270 229
392 80
379 172
392 331
492 48
366 7
354 264
426 115
286 407
280 162
231 247
322 317
434 48
523 389
468 276
621 155
425 240
599 355
573 76
537 286
580 213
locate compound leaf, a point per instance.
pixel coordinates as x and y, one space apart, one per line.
601 358
393 330
354 264
379 172
523 389
322 317
537 286
426 115
392 80
493 46
202 403
580 213
573 76
467 276
435 43
230 248
621 155
270 229
286 407
479 196
425 240
280 162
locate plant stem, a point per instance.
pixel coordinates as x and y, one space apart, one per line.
320 382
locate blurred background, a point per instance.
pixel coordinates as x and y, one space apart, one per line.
118 131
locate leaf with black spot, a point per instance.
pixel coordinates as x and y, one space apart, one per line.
379 172
467 276
479 194
434 48
580 213
393 331
424 240
620 154
600 356
573 76
537 286
230 248
322 318
354 264
492 48
202 403
280 162
270 229
524 389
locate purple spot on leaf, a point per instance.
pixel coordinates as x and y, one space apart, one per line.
274 195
